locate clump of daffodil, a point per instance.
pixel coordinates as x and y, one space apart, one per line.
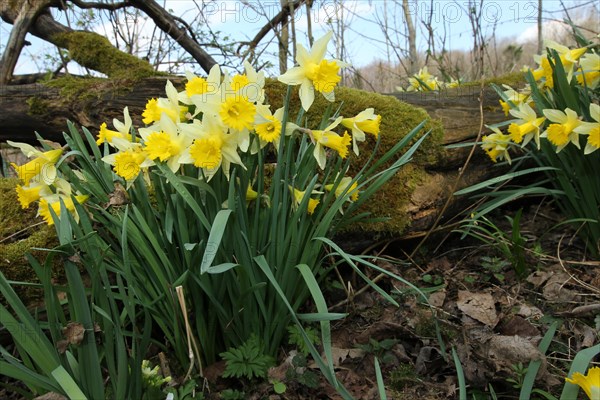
568 58
41 169
299 196
496 145
590 383
423 81
591 129
562 131
314 72
365 122
527 127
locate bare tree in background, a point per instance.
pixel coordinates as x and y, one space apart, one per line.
412 38
539 28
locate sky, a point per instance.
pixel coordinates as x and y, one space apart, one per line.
363 20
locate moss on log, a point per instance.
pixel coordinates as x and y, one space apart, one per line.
94 51
21 233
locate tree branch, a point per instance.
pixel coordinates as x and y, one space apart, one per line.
276 20
100 6
168 24
23 21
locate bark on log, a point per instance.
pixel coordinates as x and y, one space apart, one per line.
30 107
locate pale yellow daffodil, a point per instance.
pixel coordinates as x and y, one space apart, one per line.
314 72
212 147
299 196
41 168
591 129
165 142
590 383
561 132
123 129
496 145
527 127
364 122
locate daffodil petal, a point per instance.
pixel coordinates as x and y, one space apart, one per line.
293 76
307 94
319 48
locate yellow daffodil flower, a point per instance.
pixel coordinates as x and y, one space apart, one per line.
299 197
123 129
327 138
251 194
42 167
496 145
54 202
129 161
590 383
568 58
155 108
527 127
591 129
514 97
314 73
589 71
346 185
423 81
250 84
199 88
237 112
365 122
165 141
212 146
32 193
561 132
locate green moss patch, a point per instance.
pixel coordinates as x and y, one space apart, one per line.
22 233
95 51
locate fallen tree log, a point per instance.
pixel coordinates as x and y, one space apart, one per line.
416 196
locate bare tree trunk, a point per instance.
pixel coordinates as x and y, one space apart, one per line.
309 23
25 18
284 39
539 28
412 38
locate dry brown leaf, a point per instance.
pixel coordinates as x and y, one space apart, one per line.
506 351
73 333
340 355
538 278
527 311
436 299
479 306
555 288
